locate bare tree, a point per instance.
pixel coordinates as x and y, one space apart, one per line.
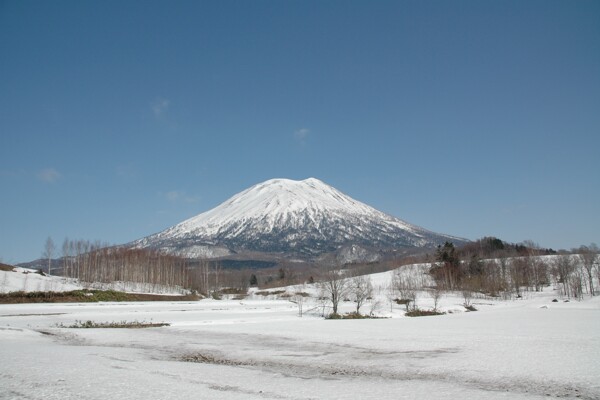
361 289
217 272
589 256
436 294
298 299
519 273
374 306
467 296
407 287
335 287
322 299
577 284
504 266
598 269
391 294
48 252
564 268
66 257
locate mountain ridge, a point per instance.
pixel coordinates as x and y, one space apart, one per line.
305 218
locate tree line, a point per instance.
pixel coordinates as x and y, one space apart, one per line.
96 262
487 266
492 267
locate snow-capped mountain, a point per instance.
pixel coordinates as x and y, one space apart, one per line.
297 218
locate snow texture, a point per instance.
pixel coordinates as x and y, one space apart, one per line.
259 348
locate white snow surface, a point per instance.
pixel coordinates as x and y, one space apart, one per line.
280 202
259 348
27 280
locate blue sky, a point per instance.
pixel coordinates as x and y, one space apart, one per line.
472 118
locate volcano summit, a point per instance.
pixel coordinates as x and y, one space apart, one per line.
301 219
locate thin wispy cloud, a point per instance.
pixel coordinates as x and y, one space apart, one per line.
180 196
49 175
301 135
160 106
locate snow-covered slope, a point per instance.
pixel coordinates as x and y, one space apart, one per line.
305 217
29 280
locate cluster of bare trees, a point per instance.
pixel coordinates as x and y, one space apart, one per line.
578 274
209 277
94 262
97 262
507 276
491 276
337 286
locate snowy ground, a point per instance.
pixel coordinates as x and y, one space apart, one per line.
260 349
29 280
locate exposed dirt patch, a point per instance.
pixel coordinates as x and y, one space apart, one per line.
6 267
212 359
86 296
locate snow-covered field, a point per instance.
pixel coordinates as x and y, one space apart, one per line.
259 348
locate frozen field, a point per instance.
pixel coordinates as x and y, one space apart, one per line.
261 349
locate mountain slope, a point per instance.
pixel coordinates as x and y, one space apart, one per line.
302 218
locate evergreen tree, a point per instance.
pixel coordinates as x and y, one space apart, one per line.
253 280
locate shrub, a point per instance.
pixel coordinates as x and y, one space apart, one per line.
267 293
123 324
352 315
109 295
422 313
